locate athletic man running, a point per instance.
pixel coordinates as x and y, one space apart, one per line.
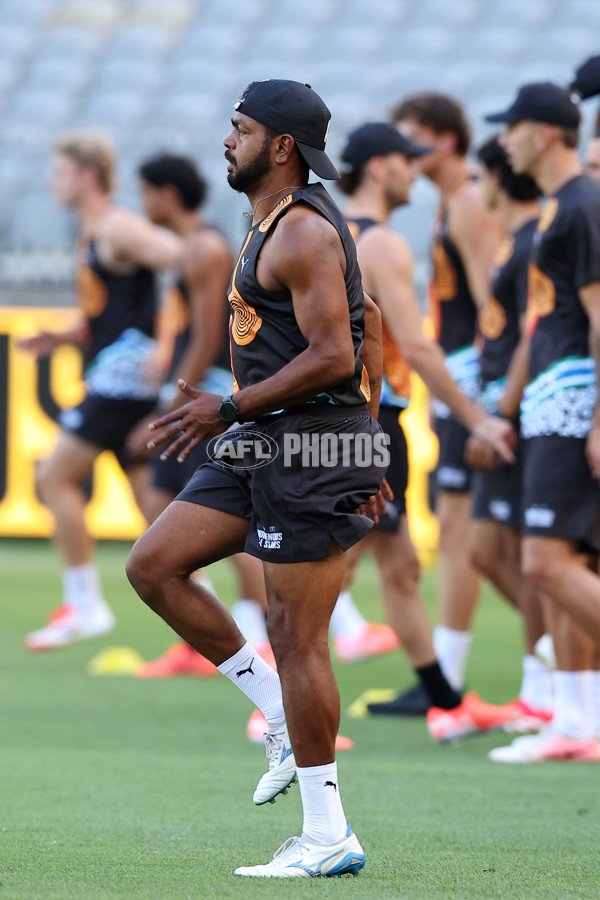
297 335
117 255
559 422
466 237
378 170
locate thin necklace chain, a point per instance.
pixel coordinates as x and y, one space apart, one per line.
268 196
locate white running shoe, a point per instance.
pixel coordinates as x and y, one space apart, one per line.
300 858
67 626
547 745
282 766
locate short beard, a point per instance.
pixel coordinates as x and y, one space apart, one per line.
244 180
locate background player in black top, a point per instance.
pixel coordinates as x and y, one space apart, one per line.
297 333
561 498
380 165
194 321
466 236
497 488
117 254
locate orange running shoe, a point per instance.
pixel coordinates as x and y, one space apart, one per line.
547 746
257 726
473 715
372 640
180 659
530 720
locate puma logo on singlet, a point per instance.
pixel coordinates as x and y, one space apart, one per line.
245 671
243 262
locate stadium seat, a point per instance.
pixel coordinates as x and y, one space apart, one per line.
191 109
238 15
30 12
68 43
113 108
569 45
139 44
495 44
421 44
16 41
312 13
210 42
39 224
60 75
520 13
383 14
450 15
45 107
135 75
200 73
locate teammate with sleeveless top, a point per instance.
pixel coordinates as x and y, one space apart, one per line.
497 489
466 236
560 424
117 256
379 165
301 333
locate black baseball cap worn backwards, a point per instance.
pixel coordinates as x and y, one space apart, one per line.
378 139
541 102
289 107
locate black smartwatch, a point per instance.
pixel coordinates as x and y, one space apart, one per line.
229 410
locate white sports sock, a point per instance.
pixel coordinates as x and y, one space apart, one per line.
81 588
258 681
573 707
452 650
250 619
346 620
596 700
536 686
324 820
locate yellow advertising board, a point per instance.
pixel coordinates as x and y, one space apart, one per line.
32 395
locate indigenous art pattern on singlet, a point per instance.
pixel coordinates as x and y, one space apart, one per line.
561 395
499 319
395 384
264 332
120 310
453 311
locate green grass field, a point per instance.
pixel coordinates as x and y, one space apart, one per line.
115 787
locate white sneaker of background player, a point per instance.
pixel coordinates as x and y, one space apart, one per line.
300 858
69 626
282 766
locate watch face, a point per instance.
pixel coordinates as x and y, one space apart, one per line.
228 410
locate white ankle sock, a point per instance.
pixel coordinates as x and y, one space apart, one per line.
536 686
596 700
81 588
324 820
573 707
452 650
250 619
258 681
346 620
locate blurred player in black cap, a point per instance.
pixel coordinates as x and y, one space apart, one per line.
560 424
466 236
378 170
301 333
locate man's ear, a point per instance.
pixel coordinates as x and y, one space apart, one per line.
284 147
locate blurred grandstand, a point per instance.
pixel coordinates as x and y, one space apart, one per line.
161 74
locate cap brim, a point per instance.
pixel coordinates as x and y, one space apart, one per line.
416 150
503 117
318 161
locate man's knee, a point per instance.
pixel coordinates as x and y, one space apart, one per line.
542 564
145 569
294 637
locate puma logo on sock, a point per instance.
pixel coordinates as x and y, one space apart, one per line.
331 784
244 671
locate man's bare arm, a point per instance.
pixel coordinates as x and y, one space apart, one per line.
477 232
127 238
371 354
45 342
206 270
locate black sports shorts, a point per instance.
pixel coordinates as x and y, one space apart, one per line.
106 422
561 498
313 468
452 474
